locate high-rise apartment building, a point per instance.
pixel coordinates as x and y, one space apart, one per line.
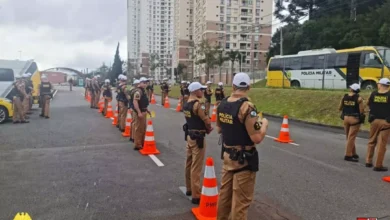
184 32
238 25
150 34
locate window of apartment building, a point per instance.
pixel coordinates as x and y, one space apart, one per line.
228 28
222 18
234 45
257 12
222 10
235 19
256 46
257 38
228 19
257 20
228 37
228 11
234 28
234 36
221 27
227 46
235 10
222 2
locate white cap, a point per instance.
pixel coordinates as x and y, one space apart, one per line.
355 87
28 74
143 79
124 78
98 76
107 81
24 75
208 82
384 81
241 80
220 84
43 76
165 79
136 82
120 76
182 82
196 86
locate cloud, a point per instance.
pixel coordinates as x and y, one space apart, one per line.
70 33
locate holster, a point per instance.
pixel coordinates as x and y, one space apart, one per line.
185 129
198 136
371 118
388 119
342 116
362 118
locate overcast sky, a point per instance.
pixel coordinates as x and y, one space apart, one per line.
71 33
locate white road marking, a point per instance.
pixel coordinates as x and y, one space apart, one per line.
156 160
158 104
271 137
311 160
55 93
173 109
184 190
86 206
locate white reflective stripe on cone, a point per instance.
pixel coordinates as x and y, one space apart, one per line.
209 191
285 121
284 129
209 172
127 123
149 128
147 138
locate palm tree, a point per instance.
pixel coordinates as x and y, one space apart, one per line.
154 63
233 56
208 53
241 58
180 70
221 59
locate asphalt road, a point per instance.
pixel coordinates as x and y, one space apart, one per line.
76 165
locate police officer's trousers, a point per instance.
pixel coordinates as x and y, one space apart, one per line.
139 130
379 134
93 99
194 165
45 105
106 101
97 97
236 194
163 94
122 115
132 126
26 104
351 128
18 110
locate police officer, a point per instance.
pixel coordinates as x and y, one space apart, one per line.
219 93
96 88
70 81
186 93
131 106
183 86
31 86
100 83
107 95
86 86
140 104
352 108
207 95
26 99
379 117
19 94
149 89
45 93
197 126
241 130
164 90
122 103
117 90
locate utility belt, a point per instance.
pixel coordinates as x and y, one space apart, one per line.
371 118
143 109
49 94
361 117
251 156
196 135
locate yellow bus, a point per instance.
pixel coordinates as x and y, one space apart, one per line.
330 69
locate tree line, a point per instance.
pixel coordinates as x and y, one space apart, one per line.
335 24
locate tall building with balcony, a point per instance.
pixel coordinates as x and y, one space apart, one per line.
184 32
234 25
150 34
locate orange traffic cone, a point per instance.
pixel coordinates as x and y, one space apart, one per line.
207 209
109 113
115 121
101 105
153 101
284 135
178 108
214 114
89 97
129 119
386 179
166 102
149 142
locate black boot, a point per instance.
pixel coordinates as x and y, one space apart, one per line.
351 159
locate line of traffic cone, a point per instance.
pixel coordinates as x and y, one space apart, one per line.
115 118
284 135
153 101
166 102
101 105
207 209
149 142
129 119
178 108
109 113
214 114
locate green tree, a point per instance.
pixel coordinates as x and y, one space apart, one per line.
116 66
220 60
241 59
208 54
233 56
180 71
